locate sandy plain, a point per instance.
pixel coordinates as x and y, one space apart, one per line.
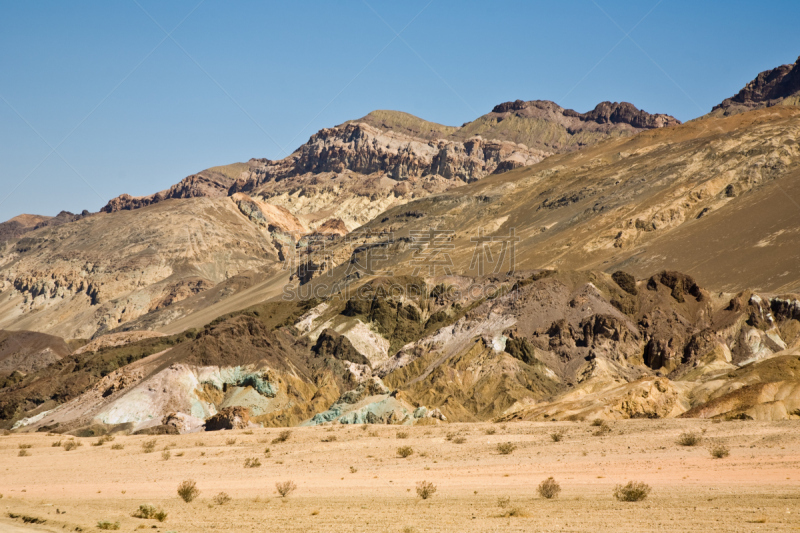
755 488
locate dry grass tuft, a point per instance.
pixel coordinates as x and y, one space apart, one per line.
425 489
105 524
689 438
188 490
405 451
505 448
285 488
549 488
252 462
222 498
633 491
720 451
283 436
149 446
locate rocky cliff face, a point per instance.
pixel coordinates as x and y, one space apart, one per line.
354 171
777 86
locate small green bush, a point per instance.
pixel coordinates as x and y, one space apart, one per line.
105 524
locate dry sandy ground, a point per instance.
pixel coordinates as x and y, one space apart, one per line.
756 488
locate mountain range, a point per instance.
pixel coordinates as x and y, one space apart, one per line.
608 264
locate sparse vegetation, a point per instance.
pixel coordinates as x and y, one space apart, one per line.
402 435
597 422
602 429
222 498
505 448
503 502
285 488
405 451
252 462
720 451
633 491
283 436
329 438
105 524
188 490
425 489
231 441
56 444
23 452
71 445
147 512
117 446
549 488
149 446
459 440
353 470
557 436
689 438
514 512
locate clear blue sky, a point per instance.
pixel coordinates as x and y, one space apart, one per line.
130 110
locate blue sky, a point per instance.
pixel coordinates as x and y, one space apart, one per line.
97 99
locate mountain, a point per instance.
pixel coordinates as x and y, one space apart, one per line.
397 271
778 86
356 170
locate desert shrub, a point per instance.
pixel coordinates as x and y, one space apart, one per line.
230 442
449 436
147 511
252 462
117 446
353 470
283 436
505 448
402 435
425 489
105 524
597 422
557 436
199 443
602 429
25 446
329 438
503 502
285 488
56 444
459 440
188 490
222 498
166 454
720 451
490 431
364 427
405 451
549 488
689 438
71 445
23 452
149 446
248 432
633 491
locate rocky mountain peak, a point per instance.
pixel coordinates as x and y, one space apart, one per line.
771 87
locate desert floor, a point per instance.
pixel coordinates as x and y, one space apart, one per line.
756 488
